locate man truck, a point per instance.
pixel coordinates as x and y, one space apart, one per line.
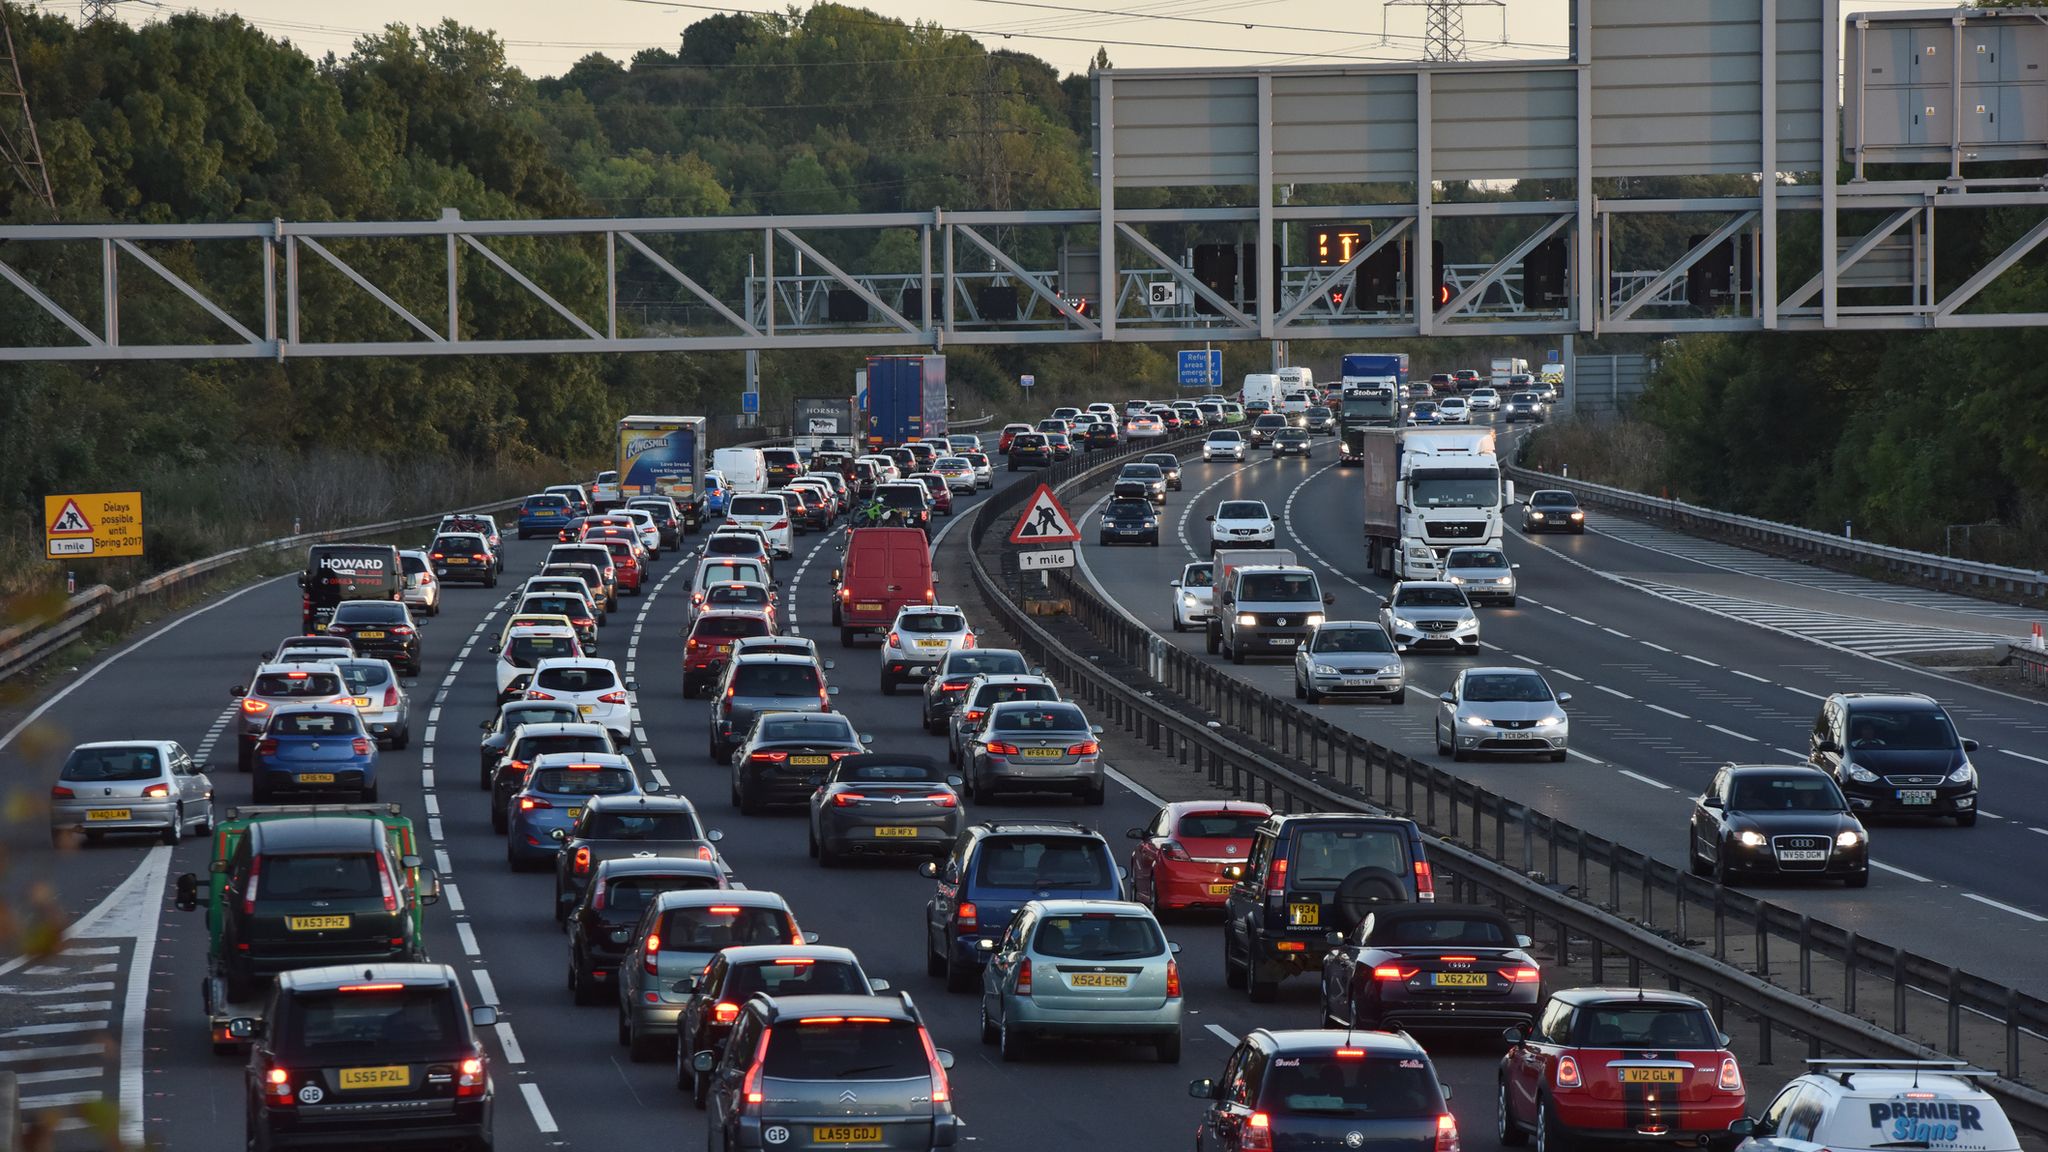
1427 491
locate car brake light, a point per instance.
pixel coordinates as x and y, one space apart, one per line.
1567 1072
895 641
942 799
477 556
60 792
253 706
847 799
1393 972
361 746
1175 851
597 894
1085 748
438 556
965 915
303 675
157 791
750 1088
1521 975
582 861
266 747
277 1088
1447 1133
469 1078
930 597
768 757
650 959
612 698
391 696
390 887
779 526
529 803
1172 978
1276 878
537 694
1001 749
1731 1076
942 1091
370 988
249 893
1257 1135
976 713
1425 882
724 1012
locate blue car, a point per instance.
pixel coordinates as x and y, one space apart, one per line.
543 514
557 787
1003 865
318 748
716 493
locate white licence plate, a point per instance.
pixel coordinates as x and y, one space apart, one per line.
1358 681
1283 641
1518 736
1803 855
1916 796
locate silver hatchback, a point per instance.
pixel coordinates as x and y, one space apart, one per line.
1082 968
677 936
149 786
1349 658
1035 746
1484 573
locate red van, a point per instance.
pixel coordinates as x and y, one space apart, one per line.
883 570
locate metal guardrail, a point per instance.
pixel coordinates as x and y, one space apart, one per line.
1925 566
2032 663
1624 906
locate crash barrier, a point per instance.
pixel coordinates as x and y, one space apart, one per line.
2031 661
1786 974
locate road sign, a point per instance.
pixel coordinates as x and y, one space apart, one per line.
1045 558
1201 367
750 403
96 524
1044 521
1026 381
1550 356
1162 293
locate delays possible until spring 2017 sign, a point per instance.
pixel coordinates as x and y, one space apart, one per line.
95 524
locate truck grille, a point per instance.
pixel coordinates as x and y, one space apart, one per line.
1458 529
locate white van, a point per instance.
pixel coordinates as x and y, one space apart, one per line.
1300 378
744 469
1862 1105
1262 388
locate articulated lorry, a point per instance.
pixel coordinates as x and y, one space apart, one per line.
902 398
1371 390
664 456
1428 490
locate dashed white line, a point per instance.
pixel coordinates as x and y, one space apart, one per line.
2023 756
1586 622
1588 759
433 803
1614 691
427 779
1734 733
542 1118
1791 753
514 1054
1612 632
2020 912
1658 647
1697 660
486 988
1914 876
1672 712
1803 692
453 895
442 863
434 828
467 935
1569 675
1658 784
1749 676
1218 1032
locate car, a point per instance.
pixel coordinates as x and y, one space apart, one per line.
381 628
783 465
785 756
1030 450
1212 413
958 473
1440 967
709 643
1062 445
1094 969
1149 474
593 685
920 637
315 748
1034 746
601 922
1483 400
1581 1073
768 513
1546 388
1319 420
814 505
1309 874
1144 426
557 788
542 514
465 557
1502 710
1167 417
1553 510
923 454
498 731
572 606
385 1048
1349 658
956 669
597 556
529 742
1265 426
1466 379
1291 442
277 684
983 692
1233 412
1483 572
627 557
616 827
936 490
386 708
1240 524
733 544
1421 613
650 537
1423 389
1169 468
802 646
1008 435
1183 858
667 518
1523 406
1425 412
526 646
762 682
991 871
1453 410
1325 1088
752 568
125 786
1443 382
1223 444
717 493
1194 594
311 648
743 596
589 576
1100 435
909 501
1860 1105
984 471
884 805
1895 754
738 974
676 937
577 496
1128 520
1774 820
422 588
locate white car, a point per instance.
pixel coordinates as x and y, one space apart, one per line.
593 686
1194 596
919 639
959 473
1144 426
1241 524
422 591
385 706
1483 400
1453 410
767 513
984 469
650 532
1504 710
1420 613
525 646
1104 408
1223 444
1860 1105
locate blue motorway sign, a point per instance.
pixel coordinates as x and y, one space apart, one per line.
1201 368
750 403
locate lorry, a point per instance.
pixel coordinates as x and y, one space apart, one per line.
1266 603
1371 390
821 424
1504 367
902 398
664 456
1369 368
1428 490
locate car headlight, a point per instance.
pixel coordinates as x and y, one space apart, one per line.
1751 838
1861 774
1848 838
1457 579
1578 515
1964 774
1478 722
1247 620
1315 619
1550 721
1535 515
1324 670
1190 600
1400 623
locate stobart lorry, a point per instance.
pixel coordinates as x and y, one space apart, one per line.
1428 490
1371 390
664 456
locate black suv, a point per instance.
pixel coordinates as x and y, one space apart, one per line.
1325 1089
602 922
383 629
1309 875
359 1056
993 869
1895 755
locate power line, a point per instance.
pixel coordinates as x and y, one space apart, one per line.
1119 15
1444 25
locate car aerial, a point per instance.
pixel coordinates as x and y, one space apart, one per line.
1034 746
1349 658
1502 710
1325 1089
1862 1105
1430 966
1291 442
1788 821
1194 595
1425 412
315 748
1483 572
384 1048
1185 857
1030 449
615 827
884 805
525 646
919 638
708 645
380 628
532 740
1265 426
1072 969
1618 1064
422 588
943 688
1223 444
386 708
757 683
1320 420
1453 410
983 692
498 731
1240 524
542 515
738 974
1151 475
1553 510
1483 400
784 757
276 685
993 869
122 786
1127 520
676 937
556 789
1895 754
601 922
1421 613
1310 874
1522 406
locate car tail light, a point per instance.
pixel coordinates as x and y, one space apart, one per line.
389 886
582 862
529 803
1175 851
895 641
1276 878
965 915
478 557
277 1088
157 791
361 746
1172 978
1521 975
847 799
597 894
391 696
402 630
779 526
469 1078
1425 881
750 1088
60 792
1257 1135
266 747
253 706
1085 748
846 593
724 1012
1001 749
537 694
612 698
1447 1133
942 1091
942 799
1024 977
1568 1072
929 596
650 958
1731 1076
1393 972
438 556
768 757
249 893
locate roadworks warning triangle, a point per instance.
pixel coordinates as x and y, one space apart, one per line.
70 521
1044 521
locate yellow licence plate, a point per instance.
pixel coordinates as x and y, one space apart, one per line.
575 813
1461 979
388 1076
370 635
458 560
586 709
1219 889
931 643
810 761
1305 915
1653 1075
1099 980
316 777
315 923
360 701
846 1133
896 833
1042 753
866 607
92 814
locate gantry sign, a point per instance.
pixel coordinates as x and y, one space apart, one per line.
1467 198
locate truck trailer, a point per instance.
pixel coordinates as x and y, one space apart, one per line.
902 398
664 456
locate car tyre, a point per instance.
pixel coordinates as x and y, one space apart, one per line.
584 990
175 831
1442 749
887 685
1550 1135
934 962
1558 756
989 1032
1260 991
1693 862
501 818
1095 795
403 739
828 856
1236 654
1309 693
1966 820
1233 973
1722 876
1009 1043
1509 1133
1168 1047
960 977
845 637
1213 639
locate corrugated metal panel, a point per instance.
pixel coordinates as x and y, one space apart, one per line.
1504 125
1343 128
1799 85
1186 130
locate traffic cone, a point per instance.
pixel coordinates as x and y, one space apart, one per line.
2038 645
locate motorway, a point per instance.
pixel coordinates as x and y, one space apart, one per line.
1663 693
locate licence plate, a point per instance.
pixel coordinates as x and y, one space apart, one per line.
1042 753
897 833
810 761
1305 915
458 560
1460 980
1916 796
315 923
1516 736
316 777
369 635
1099 980
846 1133
1219 889
1653 1075
388 1076
586 709
864 607
1283 641
575 813
1797 855
931 643
361 701
92 814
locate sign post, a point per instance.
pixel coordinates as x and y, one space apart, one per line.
1044 522
100 525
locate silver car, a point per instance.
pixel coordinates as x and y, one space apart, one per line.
384 704
1421 613
1082 968
918 640
1224 444
1484 573
1035 746
1194 595
1507 710
147 786
677 936
1349 658
422 589
984 692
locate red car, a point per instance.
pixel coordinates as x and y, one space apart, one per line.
1620 1064
942 496
1009 433
1181 855
626 556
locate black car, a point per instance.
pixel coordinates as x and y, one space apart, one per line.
1553 510
1310 874
1436 966
666 519
1522 406
1325 1089
1030 450
909 500
1169 464
885 804
1896 755
360 1056
956 669
1100 435
1776 820
785 755
1266 426
782 464
1130 520
740 973
499 729
1291 442
633 825
1320 420
601 922
382 629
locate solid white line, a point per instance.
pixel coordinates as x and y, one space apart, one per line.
1734 733
510 1043
467 935
1646 780
1142 792
2023 756
542 1118
1883 867
2021 912
1218 1032
1667 711
1614 691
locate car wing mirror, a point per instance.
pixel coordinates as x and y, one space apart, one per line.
832 691
810 937
1135 834
1710 802
483 1015
1210 519
1969 745
879 985
238 691
1445 1089
945 1056
485 726
1233 871
1564 697
703 1061
1173 583
1334 939
244 1028
1448 697
1826 746
1517 1033
1514 566
866 738
1742 1126
830 665
688 985
1329 598
1203 1089
1722 1037
558 835
929 869
408 861
188 892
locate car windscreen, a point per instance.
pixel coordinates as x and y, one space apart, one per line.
628 824
838 1049
371 612
329 1027
363 675
1326 854
1219 825
1128 509
1553 500
1289 586
1478 558
743 595
318 876
526 651
1456 490
1243 510
1429 598
576 679
583 781
1198 576
710 927
1023 861
1351 640
775 680
313 724
1900 729
1449 931
825 730
1270 420
1332 1085
1224 438
1042 718
930 622
630 895
1142 472
1805 792
1518 687
1636 1024
110 764
1098 936
530 747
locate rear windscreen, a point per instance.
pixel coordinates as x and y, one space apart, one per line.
1044 862
996 663
584 781
553 606
775 680
530 747
576 679
369 1022
708 928
109 764
313 724
1457 931
745 595
1098 937
629 825
732 544
291 685
800 976
362 677
1219 825
1057 718
1326 855
728 627
318 876
931 622
1641 1025
1387 1086
884 772
372 612
634 893
837 1049
807 731
993 693
541 714
757 506
526 651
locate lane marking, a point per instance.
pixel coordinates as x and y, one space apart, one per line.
1803 692
1588 759
1734 733
1612 632
467 935
1614 691
453 895
1672 712
1915 876
1658 647
514 1054
1217 1031
1794 755
1142 792
1749 676
486 988
1568 675
1637 776
2021 912
542 1118
2023 756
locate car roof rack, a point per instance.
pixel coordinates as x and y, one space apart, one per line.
1842 1068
